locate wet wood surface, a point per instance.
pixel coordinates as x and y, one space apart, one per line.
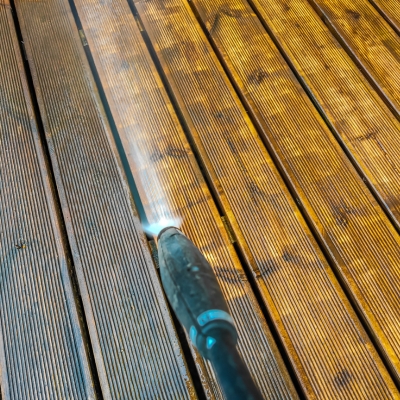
390 11
272 128
359 119
337 204
244 188
42 353
369 40
134 343
169 180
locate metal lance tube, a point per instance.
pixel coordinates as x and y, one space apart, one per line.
195 296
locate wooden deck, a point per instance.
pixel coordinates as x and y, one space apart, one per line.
272 127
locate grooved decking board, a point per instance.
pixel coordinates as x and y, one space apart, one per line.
321 334
390 11
363 246
135 346
369 40
358 117
234 176
42 355
169 180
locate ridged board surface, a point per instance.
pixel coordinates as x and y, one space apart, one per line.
323 338
360 240
169 180
369 40
135 347
390 11
41 354
357 115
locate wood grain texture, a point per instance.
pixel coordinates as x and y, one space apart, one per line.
42 354
170 182
369 40
309 309
361 242
358 117
351 71
135 346
390 11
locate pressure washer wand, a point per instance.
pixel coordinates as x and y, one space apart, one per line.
195 296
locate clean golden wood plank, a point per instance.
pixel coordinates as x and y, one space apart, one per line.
390 11
169 180
360 240
293 275
358 117
369 40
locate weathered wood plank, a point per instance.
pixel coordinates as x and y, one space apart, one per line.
135 346
42 354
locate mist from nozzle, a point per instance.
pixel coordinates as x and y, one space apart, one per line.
153 194
156 228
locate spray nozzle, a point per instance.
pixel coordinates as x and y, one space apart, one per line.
155 228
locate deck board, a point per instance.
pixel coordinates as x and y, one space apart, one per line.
369 40
135 346
243 175
362 244
357 116
170 182
297 134
390 11
41 351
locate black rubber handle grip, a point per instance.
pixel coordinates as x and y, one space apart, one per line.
192 289
232 374
197 300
